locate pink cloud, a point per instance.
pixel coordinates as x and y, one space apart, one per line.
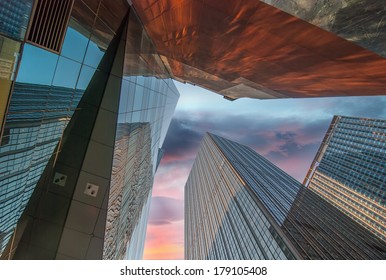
165 231
165 210
172 159
165 242
171 178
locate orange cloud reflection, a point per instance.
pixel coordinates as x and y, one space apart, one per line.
249 43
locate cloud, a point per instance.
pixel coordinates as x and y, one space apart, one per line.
366 107
286 132
165 210
182 140
171 178
165 241
371 107
277 139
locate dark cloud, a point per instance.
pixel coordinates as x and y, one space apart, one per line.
165 210
182 139
278 139
281 140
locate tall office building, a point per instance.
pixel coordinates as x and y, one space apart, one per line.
86 109
349 170
238 205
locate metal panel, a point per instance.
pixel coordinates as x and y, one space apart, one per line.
280 54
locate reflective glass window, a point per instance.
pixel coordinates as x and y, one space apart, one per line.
138 98
99 42
86 74
9 52
66 74
37 66
94 54
14 17
75 38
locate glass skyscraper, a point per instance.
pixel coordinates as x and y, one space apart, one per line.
349 170
85 108
238 205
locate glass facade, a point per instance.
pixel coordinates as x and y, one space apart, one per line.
350 170
240 206
147 101
14 16
222 219
81 138
32 131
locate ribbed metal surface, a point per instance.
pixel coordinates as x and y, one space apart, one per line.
49 22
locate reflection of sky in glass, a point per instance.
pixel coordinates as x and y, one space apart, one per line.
93 55
74 45
37 66
85 76
67 73
42 67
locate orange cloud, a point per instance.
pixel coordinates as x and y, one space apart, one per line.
165 242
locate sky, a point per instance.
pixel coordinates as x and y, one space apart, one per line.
288 132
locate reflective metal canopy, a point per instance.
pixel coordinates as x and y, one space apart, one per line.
250 49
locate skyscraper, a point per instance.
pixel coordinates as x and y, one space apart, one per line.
82 131
238 205
349 170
